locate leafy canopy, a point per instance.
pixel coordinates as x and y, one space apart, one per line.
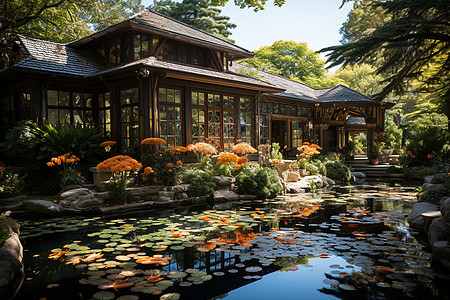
197 13
292 60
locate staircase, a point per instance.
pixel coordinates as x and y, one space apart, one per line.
361 164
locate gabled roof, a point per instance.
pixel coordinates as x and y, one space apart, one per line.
54 57
171 28
296 90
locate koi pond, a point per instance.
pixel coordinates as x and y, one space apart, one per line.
350 242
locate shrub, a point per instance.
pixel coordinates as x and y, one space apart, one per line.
275 152
337 170
200 181
395 169
81 140
433 196
66 164
426 147
166 166
262 182
10 182
4 235
313 170
320 166
20 141
440 178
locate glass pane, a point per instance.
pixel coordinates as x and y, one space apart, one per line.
163 128
77 100
170 95
179 141
107 100
194 129
170 114
144 50
53 116
163 113
135 114
88 100
201 99
178 113
201 117
64 98
52 98
107 116
194 98
177 96
137 46
194 115
77 117
162 95
64 116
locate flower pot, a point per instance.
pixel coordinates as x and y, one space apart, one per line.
374 161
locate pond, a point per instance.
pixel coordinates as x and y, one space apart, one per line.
350 242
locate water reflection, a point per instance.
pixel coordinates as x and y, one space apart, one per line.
350 242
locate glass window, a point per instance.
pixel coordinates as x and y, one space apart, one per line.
170 116
144 48
228 130
296 133
129 121
8 116
137 47
214 100
264 129
245 120
104 112
69 107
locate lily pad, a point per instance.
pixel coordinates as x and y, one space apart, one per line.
104 295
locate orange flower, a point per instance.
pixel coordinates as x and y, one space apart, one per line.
153 141
179 163
204 148
119 163
148 170
170 170
108 143
242 160
227 158
169 165
243 148
190 147
178 149
50 164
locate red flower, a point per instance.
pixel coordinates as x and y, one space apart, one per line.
411 154
430 155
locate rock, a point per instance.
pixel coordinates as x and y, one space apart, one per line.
11 254
134 191
103 195
248 197
297 187
359 175
42 207
170 195
316 179
353 178
90 203
431 186
223 206
151 189
178 188
223 182
182 196
428 178
12 200
437 230
225 195
328 181
415 217
164 199
74 194
441 253
293 176
70 187
444 205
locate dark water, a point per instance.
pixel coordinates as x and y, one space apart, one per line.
347 243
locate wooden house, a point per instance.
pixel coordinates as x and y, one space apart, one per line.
152 76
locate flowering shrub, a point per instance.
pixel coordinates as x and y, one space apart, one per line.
66 164
307 150
166 168
227 159
201 148
243 148
200 181
153 141
262 182
107 145
121 168
10 182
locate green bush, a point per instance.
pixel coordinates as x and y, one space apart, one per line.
10 182
20 141
313 170
118 188
434 196
421 172
200 181
275 152
81 140
166 167
440 178
262 182
338 171
395 169
426 148
4 235
320 166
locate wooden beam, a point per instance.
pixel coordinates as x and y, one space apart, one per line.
217 60
159 46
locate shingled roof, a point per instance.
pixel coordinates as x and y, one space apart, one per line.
168 27
301 91
54 57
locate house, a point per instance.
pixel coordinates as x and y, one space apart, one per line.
152 76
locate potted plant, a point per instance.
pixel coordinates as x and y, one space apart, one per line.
374 158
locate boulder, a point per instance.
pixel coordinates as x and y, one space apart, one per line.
437 230
298 187
415 217
74 194
11 254
164 199
441 253
431 186
178 188
293 176
223 182
170 195
89 203
12 200
428 178
316 179
225 195
151 189
42 207
359 175
328 181
444 205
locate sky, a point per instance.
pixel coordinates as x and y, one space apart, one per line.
315 22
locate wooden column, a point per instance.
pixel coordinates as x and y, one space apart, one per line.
187 116
370 141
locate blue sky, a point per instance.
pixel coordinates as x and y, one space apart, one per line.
315 22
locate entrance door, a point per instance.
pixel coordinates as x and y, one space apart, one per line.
279 132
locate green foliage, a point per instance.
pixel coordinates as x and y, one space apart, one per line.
337 170
426 148
20 141
421 172
255 4
4 235
224 170
320 166
395 169
440 178
11 183
434 196
262 182
205 163
118 187
275 152
200 181
313 169
291 60
80 140
197 13
166 167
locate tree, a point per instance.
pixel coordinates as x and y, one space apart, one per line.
292 60
255 4
415 45
197 13
59 20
